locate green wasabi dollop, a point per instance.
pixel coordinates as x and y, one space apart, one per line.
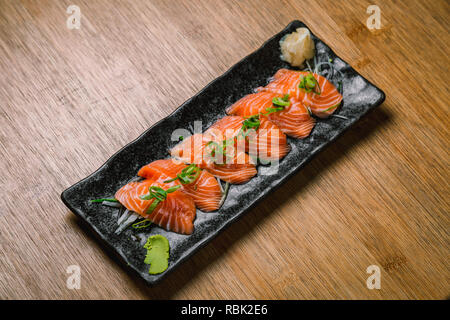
157 254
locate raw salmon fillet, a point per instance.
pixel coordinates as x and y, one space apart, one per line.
287 82
176 213
268 142
325 103
205 190
294 120
237 169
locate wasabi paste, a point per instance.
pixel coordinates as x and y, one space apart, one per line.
157 254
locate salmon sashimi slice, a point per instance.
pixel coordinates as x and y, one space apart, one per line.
257 136
176 213
235 166
226 127
235 173
191 149
162 170
284 81
204 190
294 120
287 82
325 103
272 142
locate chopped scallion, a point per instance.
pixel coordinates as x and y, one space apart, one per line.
105 199
142 224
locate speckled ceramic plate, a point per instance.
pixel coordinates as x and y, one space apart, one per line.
360 96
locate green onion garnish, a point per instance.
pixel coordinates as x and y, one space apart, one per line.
281 102
332 107
172 189
252 122
142 224
153 206
159 194
219 149
272 110
309 83
105 199
249 124
188 175
215 149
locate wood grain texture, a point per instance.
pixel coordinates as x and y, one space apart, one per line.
69 99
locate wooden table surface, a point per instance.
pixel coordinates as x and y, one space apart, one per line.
69 99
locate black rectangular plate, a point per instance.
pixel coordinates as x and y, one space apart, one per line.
360 96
